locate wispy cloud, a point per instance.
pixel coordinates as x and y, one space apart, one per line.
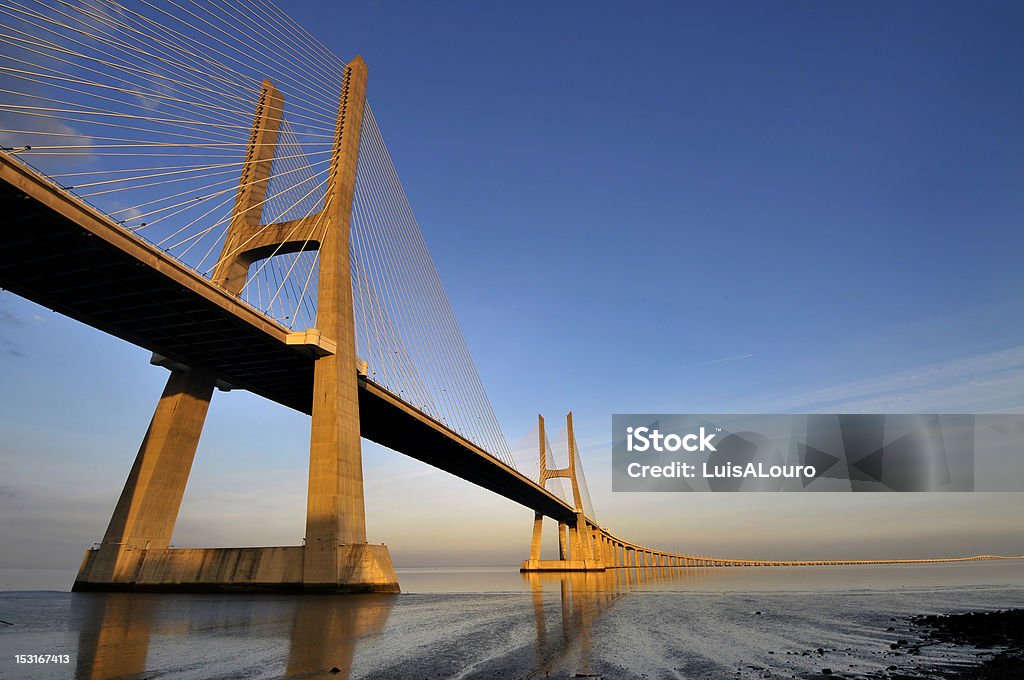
980 383
8 319
12 321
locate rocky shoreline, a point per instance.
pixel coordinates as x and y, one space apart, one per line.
997 638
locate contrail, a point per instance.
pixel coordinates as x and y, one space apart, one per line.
718 361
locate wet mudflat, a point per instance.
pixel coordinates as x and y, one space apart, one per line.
842 622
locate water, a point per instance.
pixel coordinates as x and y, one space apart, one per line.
497 623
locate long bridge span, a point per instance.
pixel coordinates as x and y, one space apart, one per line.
216 189
106 277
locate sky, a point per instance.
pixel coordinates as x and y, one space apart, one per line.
634 208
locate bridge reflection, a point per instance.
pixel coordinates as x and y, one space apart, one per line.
117 631
583 598
134 635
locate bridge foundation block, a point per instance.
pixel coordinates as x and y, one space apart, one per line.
361 568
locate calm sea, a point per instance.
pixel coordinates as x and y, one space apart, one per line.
497 623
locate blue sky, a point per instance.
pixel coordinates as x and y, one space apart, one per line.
829 188
618 198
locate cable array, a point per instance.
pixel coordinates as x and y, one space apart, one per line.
581 480
145 109
404 321
558 457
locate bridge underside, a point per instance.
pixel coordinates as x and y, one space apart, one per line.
62 254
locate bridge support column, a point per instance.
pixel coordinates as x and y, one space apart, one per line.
148 507
562 547
337 557
538 527
577 549
586 537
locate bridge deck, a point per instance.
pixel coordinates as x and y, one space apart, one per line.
60 252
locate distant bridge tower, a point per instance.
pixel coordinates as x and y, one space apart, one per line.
580 543
335 557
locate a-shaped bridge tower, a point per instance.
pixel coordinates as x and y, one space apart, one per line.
336 556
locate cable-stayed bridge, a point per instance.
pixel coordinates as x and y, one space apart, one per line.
207 181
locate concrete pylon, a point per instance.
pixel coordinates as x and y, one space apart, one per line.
146 512
583 544
336 555
135 553
232 268
538 526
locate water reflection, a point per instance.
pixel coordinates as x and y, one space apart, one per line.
115 630
326 629
554 625
113 638
583 598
